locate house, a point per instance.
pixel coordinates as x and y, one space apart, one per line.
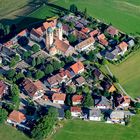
102 102
85 30
76 111
54 81
84 45
3 89
23 33
94 33
77 99
102 39
34 89
80 81
116 116
112 31
121 101
17 118
36 35
98 74
108 86
95 114
123 46
59 98
77 68
110 56
131 43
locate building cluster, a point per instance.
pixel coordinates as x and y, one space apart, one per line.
53 38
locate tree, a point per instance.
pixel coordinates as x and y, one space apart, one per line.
91 56
35 48
3 115
15 96
73 8
39 74
88 101
72 38
85 13
56 65
12 63
49 69
68 114
45 125
26 55
38 60
86 89
33 62
19 77
115 80
10 74
70 90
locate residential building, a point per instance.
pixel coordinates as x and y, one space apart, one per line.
77 99
17 118
98 74
59 98
3 89
95 114
76 111
34 89
116 116
80 81
85 44
123 46
112 31
102 102
77 68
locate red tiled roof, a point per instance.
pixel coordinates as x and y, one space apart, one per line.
59 96
22 33
126 99
101 37
36 33
75 109
86 42
80 80
103 42
32 87
85 30
123 45
17 116
77 98
8 44
77 67
112 30
94 32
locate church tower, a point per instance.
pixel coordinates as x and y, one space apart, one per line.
49 38
59 29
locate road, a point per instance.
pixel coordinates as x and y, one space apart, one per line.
121 88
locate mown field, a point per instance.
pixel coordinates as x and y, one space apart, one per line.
81 130
128 74
10 133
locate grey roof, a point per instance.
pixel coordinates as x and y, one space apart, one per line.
116 51
49 30
94 112
59 25
109 56
101 100
117 114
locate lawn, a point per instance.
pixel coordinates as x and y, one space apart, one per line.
128 74
124 14
82 130
10 133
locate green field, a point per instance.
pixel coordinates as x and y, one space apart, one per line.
10 133
128 73
81 130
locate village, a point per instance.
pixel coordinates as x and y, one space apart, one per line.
58 65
